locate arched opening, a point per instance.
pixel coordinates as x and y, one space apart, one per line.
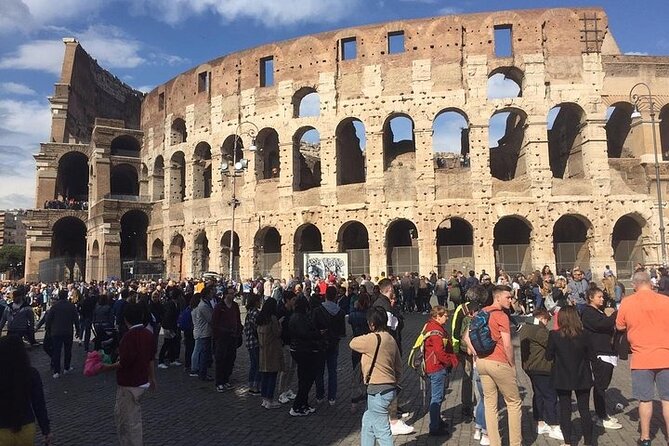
267 245
307 239
450 139
307 159
124 181
200 254
399 143
354 240
664 132
506 131
225 254
177 248
618 125
627 244
72 177
570 243
351 141
565 140
402 247
133 235
202 171
94 272
178 131
158 178
505 82
306 103
512 245
157 250
232 142
267 159
68 251
125 145
178 177
455 246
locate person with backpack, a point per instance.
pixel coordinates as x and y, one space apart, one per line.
61 321
439 361
472 308
253 303
171 349
271 353
490 337
19 317
330 317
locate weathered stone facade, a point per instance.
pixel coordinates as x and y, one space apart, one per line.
583 189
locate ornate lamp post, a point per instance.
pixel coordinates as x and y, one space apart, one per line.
234 170
649 100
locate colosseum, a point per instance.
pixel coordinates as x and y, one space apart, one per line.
508 139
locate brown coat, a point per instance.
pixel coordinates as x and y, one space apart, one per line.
388 367
271 349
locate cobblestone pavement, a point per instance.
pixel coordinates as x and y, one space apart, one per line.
184 411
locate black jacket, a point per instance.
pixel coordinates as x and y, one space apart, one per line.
62 318
335 324
599 329
303 335
170 315
571 367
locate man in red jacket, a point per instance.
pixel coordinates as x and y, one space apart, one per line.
439 360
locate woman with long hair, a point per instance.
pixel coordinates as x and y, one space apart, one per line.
21 396
569 350
271 352
251 335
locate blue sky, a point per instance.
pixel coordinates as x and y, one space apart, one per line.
147 42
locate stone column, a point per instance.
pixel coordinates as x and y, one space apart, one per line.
595 156
483 250
479 155
328 155
534 156
375 182
425 188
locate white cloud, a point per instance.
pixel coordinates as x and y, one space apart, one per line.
14 88
268 12
502 87
111 46
145 88
17 201
27 15
449 10
41 55
636 53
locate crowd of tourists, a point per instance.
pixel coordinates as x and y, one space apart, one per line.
571 331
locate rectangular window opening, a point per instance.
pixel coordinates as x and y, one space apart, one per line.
503 41
396 42
161 102
348 48
203 82
267 71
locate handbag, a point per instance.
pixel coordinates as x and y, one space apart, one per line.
93 363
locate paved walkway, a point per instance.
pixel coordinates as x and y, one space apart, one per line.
184 411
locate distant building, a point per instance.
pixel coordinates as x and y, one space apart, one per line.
12 229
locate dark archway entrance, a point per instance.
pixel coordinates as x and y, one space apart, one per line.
307 239
627 244
402 253
268 251
133 235
68 251
354 240
512 245
72 177
124 181
570 243
455 246
225 255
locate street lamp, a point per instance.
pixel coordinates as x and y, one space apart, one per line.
233 170
649 100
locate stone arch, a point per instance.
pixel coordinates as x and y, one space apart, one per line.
94 270
267 246
307 239
157 249
618 126
158 178
125 145
306 159
72 177
512 234
572 234
232 141
176 256
178 177
200 253
399 152
627 243
566 122
455 246
402 252
124 180
178 132
202 171
68 251
225 254
267 157
505 82
506 140
450 139
134 224
306 103
350 140
353 239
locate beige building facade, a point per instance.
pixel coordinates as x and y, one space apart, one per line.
479 141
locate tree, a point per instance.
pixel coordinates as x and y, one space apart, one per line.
12 259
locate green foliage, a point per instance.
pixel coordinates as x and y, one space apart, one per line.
13 255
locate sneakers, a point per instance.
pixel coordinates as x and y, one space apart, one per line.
543 429
556 433
485 441
298 413
176 363
610 424
400 428
56 375
221 388
319 400
162 365
477 434
310 409
283 398
644 443
66 371
332 402
291 394
193 374
272 405
254 391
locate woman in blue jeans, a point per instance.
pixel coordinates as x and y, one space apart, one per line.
381 364
439 360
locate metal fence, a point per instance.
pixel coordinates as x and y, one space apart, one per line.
62 269
628 253
269 265
569 255
403 259
143 269
358 261
514 259
455 257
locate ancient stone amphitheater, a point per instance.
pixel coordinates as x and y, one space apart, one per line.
503 139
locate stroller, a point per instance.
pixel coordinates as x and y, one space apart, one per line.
107 339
